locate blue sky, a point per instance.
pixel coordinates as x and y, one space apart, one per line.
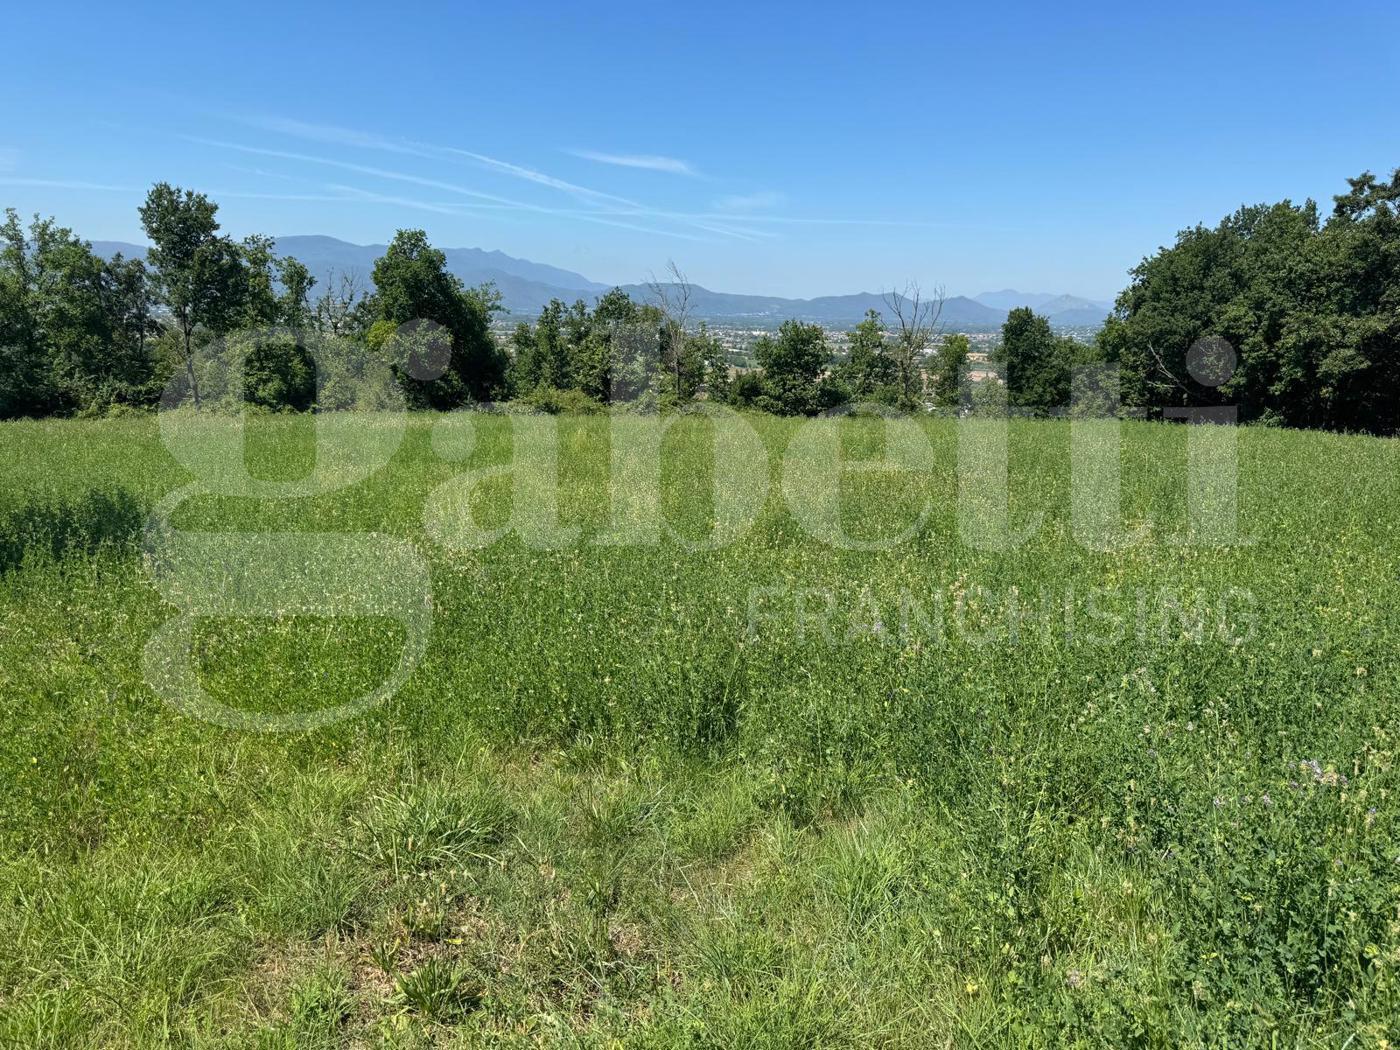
781 149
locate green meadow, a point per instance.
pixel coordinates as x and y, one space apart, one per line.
754 789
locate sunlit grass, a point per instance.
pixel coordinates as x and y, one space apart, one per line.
770 793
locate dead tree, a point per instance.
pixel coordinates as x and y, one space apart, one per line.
917 325
673 299
336 307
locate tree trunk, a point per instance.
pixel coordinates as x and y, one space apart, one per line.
189 370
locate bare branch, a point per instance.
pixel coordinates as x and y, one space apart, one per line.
673 298
1165 370
918 319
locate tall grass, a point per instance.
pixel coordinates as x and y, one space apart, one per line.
52 529
776 793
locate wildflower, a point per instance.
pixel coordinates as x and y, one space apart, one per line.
1325 777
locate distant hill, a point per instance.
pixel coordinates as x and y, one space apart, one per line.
328 256
1008 299
1064 311
107 249
527 286
833 310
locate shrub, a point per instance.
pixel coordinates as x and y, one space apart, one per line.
53 529
557 402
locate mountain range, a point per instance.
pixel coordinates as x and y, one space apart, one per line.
1064 311
527 286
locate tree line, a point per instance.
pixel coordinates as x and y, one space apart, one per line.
1289 319
83 335
1306 311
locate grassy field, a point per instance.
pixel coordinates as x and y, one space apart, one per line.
779 793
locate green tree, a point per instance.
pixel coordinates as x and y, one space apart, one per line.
793 364
552 348
609 353
294 300
634 352
278 372
71 297
746 390
199 275
614 308
675 300
278 288
25 374
719 383
1238 281
73 327
412 283
260 306
542 353
598 359
1037 363
950 367
701 348
869 371
132 310
524 365
1308 313
682 356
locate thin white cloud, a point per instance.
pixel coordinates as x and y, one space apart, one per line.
645 161
751 201
541 179
242 195
9 159
360 169
265 173
613 204
66 184
437 184
331 135
738 216
607 204
354 193
342 193
799 220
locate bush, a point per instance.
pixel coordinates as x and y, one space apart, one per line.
746 390
557 402
53 529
